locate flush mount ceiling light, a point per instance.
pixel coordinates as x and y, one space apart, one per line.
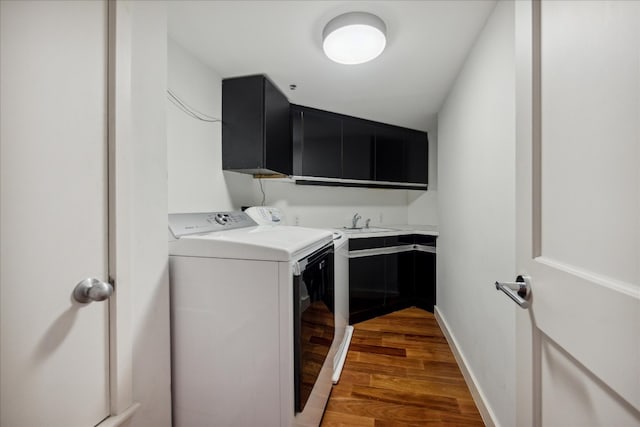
354 38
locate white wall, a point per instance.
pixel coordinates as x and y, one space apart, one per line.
197 182
476 206
149 251
319 206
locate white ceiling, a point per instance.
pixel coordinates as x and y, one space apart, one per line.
427 43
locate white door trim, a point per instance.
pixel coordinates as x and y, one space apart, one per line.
120 221
527 410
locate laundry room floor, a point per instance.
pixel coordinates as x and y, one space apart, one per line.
400 371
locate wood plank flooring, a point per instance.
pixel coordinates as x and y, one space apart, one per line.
400 371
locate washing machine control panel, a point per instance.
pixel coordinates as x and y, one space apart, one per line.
221 218
266 215
207 222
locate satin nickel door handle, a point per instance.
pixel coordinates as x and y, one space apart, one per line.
92 289
519 291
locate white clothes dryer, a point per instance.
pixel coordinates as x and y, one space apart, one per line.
246 302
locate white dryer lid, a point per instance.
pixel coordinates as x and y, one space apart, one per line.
270 243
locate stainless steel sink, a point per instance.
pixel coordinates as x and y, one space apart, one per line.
363 230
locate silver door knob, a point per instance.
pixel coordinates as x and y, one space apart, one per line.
519 292
92 290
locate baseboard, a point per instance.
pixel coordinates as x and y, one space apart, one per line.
122 418
485 412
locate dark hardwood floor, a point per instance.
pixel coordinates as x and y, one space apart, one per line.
400 371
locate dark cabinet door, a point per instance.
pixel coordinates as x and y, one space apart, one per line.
425 280
425 272
277 130
402 155
399 276
367 282
318 142
416 156
296 138
367 287
390 154
255 127
243 115
358 145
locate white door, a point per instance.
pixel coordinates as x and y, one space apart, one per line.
578 229
53 212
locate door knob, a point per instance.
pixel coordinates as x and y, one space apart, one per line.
519 291
92 290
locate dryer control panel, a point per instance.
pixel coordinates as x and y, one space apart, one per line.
207 222
266 215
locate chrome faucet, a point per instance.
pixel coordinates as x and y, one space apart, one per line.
354 221
366 224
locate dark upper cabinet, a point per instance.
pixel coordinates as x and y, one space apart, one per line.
390 154
317 143
402 155
358 149
331 145
256 132
416 157
296 138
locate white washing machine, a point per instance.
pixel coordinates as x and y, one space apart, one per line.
249 305
268 215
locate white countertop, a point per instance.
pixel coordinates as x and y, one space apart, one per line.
392 230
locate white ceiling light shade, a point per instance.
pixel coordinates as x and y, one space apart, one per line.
354 38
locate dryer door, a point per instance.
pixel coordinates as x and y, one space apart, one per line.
314 320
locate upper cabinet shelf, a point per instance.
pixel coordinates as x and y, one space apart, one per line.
334 149
262 134
256 134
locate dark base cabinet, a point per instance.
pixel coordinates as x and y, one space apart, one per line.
399 274
366 286
381 282
424 267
